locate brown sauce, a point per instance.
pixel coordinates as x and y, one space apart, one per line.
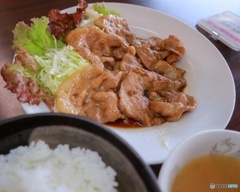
120 123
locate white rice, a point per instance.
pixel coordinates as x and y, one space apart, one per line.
37 168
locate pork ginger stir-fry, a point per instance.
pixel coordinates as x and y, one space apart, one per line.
97 68
129 77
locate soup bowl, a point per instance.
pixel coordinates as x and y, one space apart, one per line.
54 129
223 142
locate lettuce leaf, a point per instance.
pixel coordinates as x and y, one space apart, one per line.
40 64
36 38
101 9
22 81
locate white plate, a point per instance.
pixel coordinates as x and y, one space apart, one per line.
209 81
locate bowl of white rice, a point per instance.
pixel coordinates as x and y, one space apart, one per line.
54 152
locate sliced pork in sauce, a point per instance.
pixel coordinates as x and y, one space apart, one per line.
133 102
91 93
172 105
114 25
98 47
129 62
130 77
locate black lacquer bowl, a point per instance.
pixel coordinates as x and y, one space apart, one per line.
133 175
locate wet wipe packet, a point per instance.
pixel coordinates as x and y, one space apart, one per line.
224 27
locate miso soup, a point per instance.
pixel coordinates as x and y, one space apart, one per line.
209 173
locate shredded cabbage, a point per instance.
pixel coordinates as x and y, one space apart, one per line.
57 64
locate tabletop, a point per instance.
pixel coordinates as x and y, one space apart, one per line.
187 11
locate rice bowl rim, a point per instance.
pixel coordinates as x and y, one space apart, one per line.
20 123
